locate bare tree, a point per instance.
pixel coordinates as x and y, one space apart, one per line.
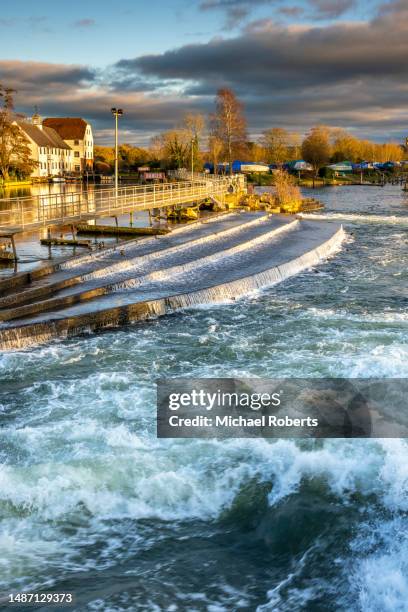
228 123
15 152
193 127
215 148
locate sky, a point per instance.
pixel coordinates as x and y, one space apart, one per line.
293 63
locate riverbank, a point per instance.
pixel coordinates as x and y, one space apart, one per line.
371 180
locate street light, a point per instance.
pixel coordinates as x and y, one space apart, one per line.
116 112
192 159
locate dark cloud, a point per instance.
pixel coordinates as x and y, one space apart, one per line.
41 78
345 73
80 91
352 75
267 56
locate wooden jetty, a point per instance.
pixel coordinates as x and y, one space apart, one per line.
114 230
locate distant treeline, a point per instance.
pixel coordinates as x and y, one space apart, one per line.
222 137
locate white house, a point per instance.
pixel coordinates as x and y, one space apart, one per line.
53 156
77 134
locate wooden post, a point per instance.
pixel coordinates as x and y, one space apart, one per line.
131 219
13 244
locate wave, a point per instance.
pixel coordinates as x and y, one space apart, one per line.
358 218
278 494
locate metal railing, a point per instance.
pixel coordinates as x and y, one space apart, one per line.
18 214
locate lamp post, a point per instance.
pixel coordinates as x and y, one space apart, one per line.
192 159
116 112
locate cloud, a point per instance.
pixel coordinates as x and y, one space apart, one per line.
44 79
291 11
331 9
269 55
34 22
206 5
7 23
84 23
351 74
237 10
392 7
81 91
347 74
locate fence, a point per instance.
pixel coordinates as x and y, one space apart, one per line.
18 214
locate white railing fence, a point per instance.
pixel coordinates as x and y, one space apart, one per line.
42 210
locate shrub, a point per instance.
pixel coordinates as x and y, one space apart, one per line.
288 195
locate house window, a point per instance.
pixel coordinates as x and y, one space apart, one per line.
77 168
76 142
76 154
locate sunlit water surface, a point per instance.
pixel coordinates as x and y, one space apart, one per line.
92 502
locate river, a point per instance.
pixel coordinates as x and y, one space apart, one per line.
92 502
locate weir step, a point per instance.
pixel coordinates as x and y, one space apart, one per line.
107 283
74 270
224 265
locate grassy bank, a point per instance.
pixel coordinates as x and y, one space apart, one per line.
14 183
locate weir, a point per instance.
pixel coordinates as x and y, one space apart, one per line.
221 259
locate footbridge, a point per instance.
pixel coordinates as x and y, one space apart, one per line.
25 213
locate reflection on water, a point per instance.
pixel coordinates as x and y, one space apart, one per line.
36 189
32 254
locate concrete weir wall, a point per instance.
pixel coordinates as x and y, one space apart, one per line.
245 286
224 261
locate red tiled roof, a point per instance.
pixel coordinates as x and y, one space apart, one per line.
69 128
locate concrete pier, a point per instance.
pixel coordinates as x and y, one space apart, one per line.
220 259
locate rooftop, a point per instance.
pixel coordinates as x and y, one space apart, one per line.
69 128
45 137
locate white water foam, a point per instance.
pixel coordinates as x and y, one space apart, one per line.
357 218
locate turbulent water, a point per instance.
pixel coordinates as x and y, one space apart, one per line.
92 502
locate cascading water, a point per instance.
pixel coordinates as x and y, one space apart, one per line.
90 496
225 264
